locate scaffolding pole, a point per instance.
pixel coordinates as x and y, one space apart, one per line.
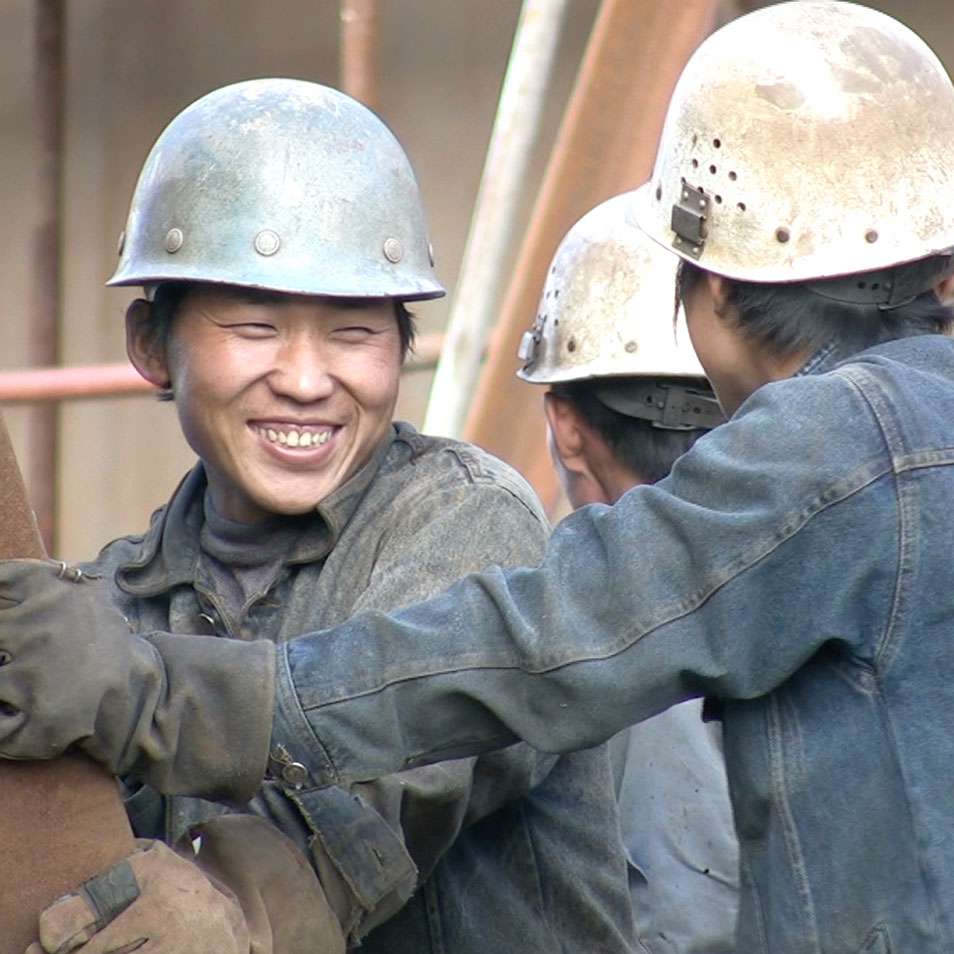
474 303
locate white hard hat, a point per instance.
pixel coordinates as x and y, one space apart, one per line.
607 315
806 140
607 306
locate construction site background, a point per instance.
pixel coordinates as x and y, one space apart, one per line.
128 68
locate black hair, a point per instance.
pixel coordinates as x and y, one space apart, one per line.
169 296
644 449
791 318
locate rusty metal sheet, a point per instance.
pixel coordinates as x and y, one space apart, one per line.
60 821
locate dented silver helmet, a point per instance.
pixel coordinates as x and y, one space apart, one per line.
806 140
280 184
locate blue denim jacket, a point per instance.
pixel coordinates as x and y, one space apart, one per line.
514 850
798 567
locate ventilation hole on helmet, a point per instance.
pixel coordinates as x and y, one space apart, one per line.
712 169
717 143
571 345
741 206
875 286
658 193
733 176
862 285
718 198
782 235
695 165
556 292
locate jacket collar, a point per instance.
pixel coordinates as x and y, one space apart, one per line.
170 548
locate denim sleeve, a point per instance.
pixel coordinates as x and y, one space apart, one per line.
720 581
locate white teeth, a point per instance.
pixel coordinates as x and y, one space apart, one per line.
294 438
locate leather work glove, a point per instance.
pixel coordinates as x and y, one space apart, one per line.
187 714
249 891
154 901
285 906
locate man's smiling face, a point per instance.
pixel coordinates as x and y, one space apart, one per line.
283 397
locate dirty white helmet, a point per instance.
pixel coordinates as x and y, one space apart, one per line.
606 312
806 140
280 184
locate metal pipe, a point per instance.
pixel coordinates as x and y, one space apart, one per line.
606 144
358 43
46 269
474 304
115 380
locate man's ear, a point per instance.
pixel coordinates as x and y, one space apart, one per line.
719 292
147 354
566 431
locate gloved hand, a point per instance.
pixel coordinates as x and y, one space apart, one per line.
188 714
249 891
154 902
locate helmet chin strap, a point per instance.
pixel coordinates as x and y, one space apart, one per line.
668 405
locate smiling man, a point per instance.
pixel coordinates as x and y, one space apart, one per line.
795 566
278 232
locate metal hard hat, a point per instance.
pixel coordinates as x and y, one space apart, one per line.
805 140
607 306
280 184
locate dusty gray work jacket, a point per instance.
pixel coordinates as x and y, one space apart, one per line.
514 850
798 566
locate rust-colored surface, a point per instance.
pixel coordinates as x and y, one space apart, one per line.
606 145
358 48
61 821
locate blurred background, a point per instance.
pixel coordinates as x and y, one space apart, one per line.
88 86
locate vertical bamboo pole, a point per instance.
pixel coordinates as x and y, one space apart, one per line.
46 273
474 301
606 144
358 43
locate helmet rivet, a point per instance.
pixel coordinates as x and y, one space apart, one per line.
630 347
173 241
393 250
782 235
871 236
267 242
121 244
